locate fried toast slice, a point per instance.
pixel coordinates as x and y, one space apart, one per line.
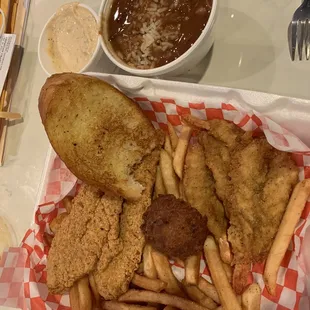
99 133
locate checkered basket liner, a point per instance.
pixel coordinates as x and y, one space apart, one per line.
23 270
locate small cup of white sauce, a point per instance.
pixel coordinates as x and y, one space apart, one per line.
69 42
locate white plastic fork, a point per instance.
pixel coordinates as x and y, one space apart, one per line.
299 32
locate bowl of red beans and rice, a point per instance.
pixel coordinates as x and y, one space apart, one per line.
157 37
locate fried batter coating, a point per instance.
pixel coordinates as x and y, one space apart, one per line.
174 228
78 242
200 191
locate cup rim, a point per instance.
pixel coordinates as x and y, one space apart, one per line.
167 67
96 51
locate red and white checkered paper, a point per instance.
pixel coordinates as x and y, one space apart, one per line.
23 270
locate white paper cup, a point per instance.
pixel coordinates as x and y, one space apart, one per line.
180 65
44 57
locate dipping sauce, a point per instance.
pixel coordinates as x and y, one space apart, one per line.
151 33
72 38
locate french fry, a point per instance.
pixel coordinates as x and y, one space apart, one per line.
159 183
208 289
227 296
225 251
80 295
228 271
161 298
285 232
170 179
170 308
196 122
85 297
239 298
180 151
195 294
140 268
182 191
149 268
67 203
93 286
219 308
168 146
173 136
154 285
251 297
115 305
74 297
56 222
192 269
165 274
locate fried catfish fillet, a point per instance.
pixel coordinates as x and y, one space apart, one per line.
217 159
200 190
280 182
254 181
218 143
262 180
113 274
78 243
248 171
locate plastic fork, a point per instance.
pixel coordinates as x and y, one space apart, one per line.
299 32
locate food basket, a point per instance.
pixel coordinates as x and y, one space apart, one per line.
283 121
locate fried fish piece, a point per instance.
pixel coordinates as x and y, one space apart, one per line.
200 191
114 276
262 179
248 171
280 182
254 181
227 132
78 242
218 143
217 159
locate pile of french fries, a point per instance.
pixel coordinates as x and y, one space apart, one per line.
155 286
171 164
158 286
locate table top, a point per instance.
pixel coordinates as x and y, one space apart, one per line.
250 52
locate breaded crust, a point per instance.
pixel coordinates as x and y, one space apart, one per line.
114 272
98 132
78 243
173 227
199 190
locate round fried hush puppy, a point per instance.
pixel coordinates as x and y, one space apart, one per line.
174 228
